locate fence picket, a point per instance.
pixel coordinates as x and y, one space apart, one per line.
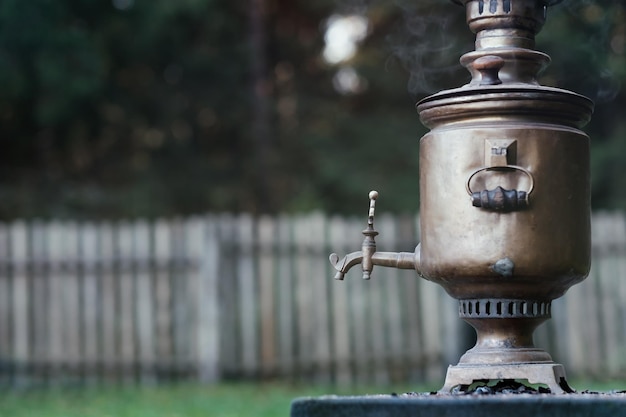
40 298
267 266
412 319
5 300
143 311
609 302
358 317
571 333
90 298
304 299
431 327
20 293
340 310
230 346
209 331
126 296
162 293
591 307
319 278
286 313
56 354
393 302
620 274
194 250
109 336
378 308
5 294
247 295
70 300
179 290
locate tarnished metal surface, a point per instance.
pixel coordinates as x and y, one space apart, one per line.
522 238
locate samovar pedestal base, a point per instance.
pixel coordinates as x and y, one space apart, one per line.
550 374
504 347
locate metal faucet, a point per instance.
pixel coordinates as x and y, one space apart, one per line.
368 257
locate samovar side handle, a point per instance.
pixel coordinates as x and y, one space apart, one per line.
500 199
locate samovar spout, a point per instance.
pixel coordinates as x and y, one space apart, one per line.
368 256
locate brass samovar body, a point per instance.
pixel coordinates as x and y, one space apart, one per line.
504 197
546 242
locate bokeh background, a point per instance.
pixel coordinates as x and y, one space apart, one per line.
158 108
173 175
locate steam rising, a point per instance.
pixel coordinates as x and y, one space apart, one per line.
424 47
427 47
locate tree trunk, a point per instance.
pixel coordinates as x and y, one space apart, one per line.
262 173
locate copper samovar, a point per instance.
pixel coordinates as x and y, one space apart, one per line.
504 197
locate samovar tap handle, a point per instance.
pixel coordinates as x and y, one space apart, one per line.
369 243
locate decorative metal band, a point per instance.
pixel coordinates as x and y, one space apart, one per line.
496 308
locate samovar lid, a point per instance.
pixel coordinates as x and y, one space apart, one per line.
513 102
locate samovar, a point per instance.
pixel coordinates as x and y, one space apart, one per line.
504 197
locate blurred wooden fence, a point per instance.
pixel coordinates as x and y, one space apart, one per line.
217 297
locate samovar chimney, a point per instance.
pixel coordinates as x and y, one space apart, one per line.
504 197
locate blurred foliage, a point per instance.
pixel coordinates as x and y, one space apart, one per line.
160 108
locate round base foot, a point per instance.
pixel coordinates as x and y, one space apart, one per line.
550 374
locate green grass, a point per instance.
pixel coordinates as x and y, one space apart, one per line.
224 400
